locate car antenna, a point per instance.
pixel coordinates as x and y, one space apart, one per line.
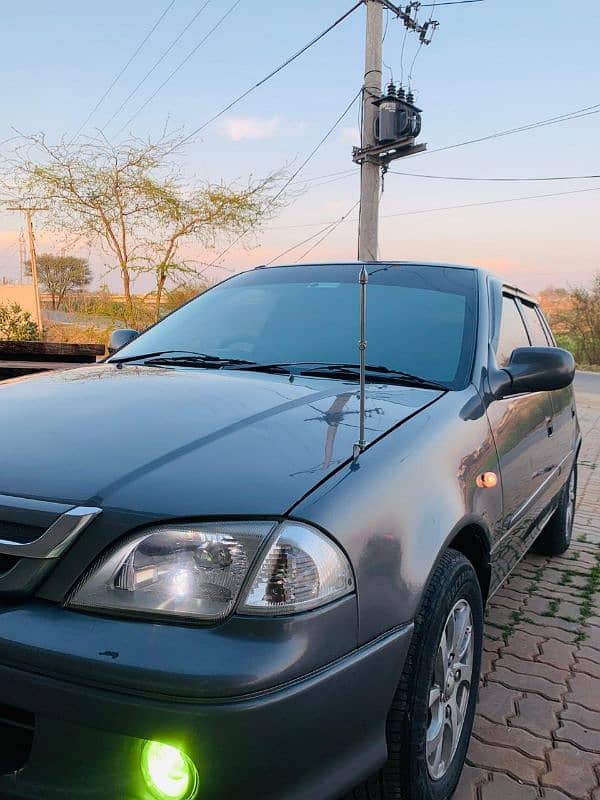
363 280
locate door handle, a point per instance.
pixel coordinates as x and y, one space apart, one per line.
550 425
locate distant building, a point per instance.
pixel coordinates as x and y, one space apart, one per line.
21 293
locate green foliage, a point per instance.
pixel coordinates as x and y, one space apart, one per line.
134 314
17 324
180 295
575 317
132 200
59 275
567 341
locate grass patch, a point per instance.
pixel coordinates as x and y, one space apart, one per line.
588 592
567 577
553 606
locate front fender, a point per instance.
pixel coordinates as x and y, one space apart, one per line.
398 508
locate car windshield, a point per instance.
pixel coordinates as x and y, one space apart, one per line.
421 320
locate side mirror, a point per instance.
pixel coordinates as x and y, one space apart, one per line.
534 369
120 338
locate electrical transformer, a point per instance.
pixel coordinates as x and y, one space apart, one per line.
398 117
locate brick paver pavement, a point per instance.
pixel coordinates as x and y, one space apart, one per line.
537 730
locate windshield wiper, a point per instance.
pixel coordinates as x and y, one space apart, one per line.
373 372
346 371
182 358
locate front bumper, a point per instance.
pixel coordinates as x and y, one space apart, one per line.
309 738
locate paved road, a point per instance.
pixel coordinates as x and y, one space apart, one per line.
537 730
588 382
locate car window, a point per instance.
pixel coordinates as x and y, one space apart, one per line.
512 331
546 326
534 324
420 319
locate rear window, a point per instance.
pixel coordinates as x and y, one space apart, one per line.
512 331
536 329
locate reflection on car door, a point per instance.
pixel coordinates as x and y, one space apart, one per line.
522 429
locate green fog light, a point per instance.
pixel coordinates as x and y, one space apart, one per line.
169 773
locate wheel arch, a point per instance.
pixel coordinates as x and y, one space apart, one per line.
472 540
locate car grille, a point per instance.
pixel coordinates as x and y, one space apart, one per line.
33 534
7 563
16 734
18 532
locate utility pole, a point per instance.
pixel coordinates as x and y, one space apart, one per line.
370 173
21 256
33 258
391 122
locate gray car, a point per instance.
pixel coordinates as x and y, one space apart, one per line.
234 564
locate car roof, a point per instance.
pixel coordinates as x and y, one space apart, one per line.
481 270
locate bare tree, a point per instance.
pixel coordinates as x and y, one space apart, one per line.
131 199
201 216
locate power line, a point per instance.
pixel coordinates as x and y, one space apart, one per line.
343 172
182 64
293 177
119 75
482 203
299 244
489 202
402 55
498 180
157 63
568 117
333 228
588 111
578 114
323 233
275 72
422 41
450 3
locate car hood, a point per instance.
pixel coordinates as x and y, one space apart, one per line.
178 442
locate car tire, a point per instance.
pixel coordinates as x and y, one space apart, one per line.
453 593
556 537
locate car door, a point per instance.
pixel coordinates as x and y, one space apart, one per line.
564 422
522 428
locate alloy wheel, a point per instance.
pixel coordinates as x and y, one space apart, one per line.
450 690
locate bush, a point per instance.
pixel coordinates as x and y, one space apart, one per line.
176 297
17 325
575 317
77 334
116 312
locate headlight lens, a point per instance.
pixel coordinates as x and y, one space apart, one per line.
190 571
196 572
302 569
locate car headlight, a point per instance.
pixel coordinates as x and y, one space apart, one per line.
198 572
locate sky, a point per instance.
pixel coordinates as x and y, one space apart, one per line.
492 65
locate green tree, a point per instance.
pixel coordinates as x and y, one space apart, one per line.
575 317
17 324
60 275
583 321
